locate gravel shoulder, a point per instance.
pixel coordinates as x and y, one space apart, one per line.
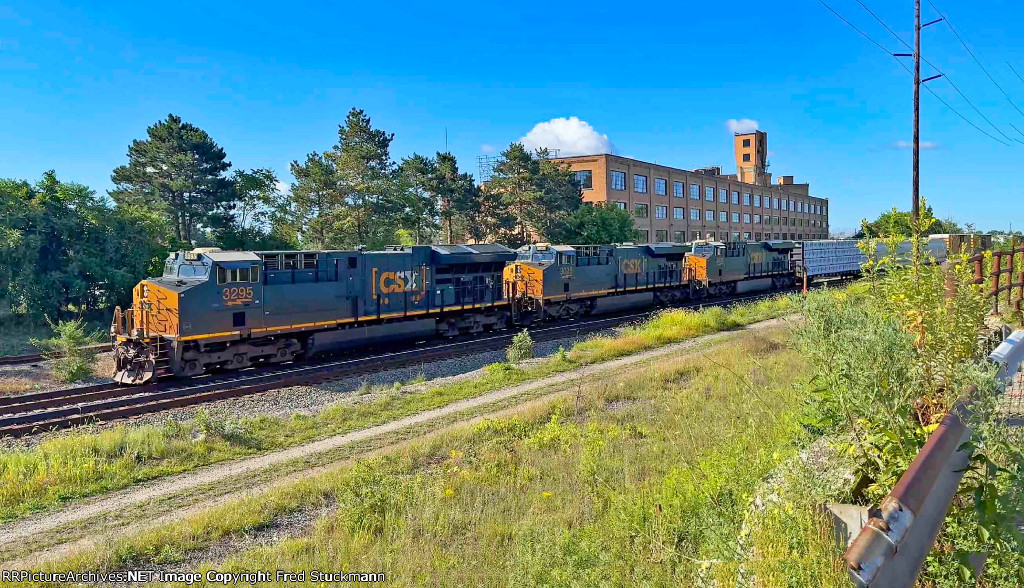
23 531
284 402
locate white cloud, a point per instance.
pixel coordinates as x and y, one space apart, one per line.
742 126
909 145
571 136
487 148
282 187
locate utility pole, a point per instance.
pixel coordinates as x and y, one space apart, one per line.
916 192
915 214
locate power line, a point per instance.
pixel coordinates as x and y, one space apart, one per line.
942 73
971 53
1015 72
904 66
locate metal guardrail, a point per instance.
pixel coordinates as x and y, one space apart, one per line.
892 546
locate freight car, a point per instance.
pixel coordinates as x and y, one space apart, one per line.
230 309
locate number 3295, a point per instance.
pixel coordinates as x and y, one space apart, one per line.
239 294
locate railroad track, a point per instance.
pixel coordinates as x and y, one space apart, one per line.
45 411
38 357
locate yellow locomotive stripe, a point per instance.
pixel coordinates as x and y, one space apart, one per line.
191 337
599 292
282 328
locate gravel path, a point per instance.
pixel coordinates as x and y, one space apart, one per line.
22 529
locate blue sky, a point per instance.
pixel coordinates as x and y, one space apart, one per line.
270 82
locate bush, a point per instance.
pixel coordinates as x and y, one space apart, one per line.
521 348
71 362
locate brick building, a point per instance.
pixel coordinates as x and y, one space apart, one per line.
672 204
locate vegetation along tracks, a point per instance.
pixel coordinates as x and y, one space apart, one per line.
38 357
44 411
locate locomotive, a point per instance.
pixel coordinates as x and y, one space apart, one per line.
231 309
214 309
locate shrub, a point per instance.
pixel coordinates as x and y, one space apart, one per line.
521 348
71 362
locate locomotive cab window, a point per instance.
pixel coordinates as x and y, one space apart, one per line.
238 275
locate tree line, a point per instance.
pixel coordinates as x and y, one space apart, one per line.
64 250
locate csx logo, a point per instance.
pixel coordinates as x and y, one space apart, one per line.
757 257
632 266
404 281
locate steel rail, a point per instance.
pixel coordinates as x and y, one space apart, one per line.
45 411
38 357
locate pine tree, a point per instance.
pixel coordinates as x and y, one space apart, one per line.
179 169
458 199
418 197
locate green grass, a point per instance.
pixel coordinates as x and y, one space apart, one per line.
16 336
87 464
648 477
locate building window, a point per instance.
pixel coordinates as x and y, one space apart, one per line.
757 200
824 211
677 213
661 236
800 236
709 215
677 189
618 180
746 236
775 220
746 142
746 157
696 235
799 206
660 212
776 236
695 191
746 199
641 210
735 217
639 184
678 236
660 186
620 205
735 236
722 195
775 203
735 197
709 193
746 218
695 214
723 216
585 178
644 234
785 221
757 219
757 236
